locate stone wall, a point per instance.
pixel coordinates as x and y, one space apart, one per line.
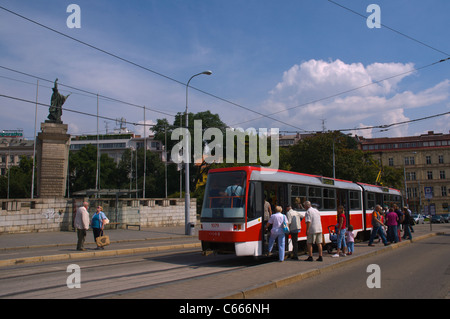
45 215
22 216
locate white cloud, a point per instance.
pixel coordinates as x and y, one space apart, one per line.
340 93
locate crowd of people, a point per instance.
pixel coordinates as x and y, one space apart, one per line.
387 225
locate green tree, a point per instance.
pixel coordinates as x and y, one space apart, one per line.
19 180
83 168
314 155
163 129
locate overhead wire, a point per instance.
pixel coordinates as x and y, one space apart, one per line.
87 92
70 110
348 91
269 116
390 28
143 67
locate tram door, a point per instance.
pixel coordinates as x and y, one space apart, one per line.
344 200
276 195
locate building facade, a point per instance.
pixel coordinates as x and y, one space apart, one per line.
115 144
425 161
12 147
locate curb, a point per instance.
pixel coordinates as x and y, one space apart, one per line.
102 253
93 243
251 292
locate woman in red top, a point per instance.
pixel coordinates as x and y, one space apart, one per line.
341 229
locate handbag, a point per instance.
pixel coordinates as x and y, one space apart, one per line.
285 227
102 240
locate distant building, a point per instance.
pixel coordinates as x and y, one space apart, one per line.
114 144
12 147
289 140
425 160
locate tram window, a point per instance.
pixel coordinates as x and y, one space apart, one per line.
298 196
315 196
371 202
355 202
224 195
255 201
387 200
329 198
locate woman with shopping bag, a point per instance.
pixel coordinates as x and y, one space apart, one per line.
98 223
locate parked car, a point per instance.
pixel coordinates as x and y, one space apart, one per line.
446 217
418 218
437 219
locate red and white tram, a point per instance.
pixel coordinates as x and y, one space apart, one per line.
233 206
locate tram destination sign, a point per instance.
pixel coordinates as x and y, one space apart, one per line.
327 181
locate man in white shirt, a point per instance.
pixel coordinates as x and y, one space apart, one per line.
81 223
294 220
313 230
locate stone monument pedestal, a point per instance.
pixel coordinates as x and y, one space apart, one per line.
52 152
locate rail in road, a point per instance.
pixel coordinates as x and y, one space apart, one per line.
106 277
175 274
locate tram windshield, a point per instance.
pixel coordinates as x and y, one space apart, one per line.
224 196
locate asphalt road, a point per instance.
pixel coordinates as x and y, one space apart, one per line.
106 277
417 271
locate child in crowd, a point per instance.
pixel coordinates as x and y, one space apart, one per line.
350 239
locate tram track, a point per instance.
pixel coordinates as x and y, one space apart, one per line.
107 277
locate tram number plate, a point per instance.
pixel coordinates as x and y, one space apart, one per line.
214 234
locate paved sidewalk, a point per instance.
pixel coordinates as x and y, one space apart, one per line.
43 246
244 283
248 282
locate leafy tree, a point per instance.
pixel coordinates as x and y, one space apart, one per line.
19 180
82 168
314 155
163 129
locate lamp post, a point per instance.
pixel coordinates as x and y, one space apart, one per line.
187 202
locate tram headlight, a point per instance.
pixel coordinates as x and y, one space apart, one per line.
237 227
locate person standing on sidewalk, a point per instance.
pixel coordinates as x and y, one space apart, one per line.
350 240
97 223
377 225
294 220
81 223
313 230
341 229
277 220
407 223
392 224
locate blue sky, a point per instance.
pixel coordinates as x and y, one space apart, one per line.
294 58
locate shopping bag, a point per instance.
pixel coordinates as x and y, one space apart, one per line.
102 240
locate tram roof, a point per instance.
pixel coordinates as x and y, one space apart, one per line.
280 176
380 189
264 174
298 178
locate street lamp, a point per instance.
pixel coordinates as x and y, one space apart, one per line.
187 202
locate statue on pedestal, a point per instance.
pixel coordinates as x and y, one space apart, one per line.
56 104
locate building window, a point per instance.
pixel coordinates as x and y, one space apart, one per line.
411 176
429 174
442 174
412 192
409 161
444 190
428 159
391 161
441 159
